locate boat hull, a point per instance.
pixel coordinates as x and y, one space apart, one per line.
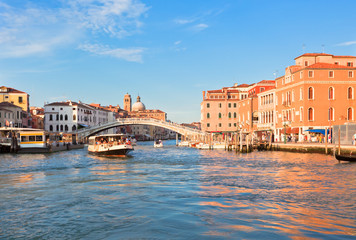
345 158
115 152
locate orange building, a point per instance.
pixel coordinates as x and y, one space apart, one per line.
315 93
230 108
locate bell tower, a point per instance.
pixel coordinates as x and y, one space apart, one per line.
127 102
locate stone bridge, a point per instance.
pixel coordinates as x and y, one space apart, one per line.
186 132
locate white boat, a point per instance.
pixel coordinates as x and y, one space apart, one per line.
158 144
117 145
204 146
183 144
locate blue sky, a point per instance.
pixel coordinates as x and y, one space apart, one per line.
167 51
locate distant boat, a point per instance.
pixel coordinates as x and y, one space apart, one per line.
110 145
158 144
348 158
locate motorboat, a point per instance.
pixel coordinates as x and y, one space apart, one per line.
117 145
158 144
203 146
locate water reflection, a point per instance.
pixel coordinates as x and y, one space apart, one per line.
176 193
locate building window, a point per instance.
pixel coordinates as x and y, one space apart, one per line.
336 63
208 105
208 115
20 100
351 74
301 114
74 117
220 125
310 74
50 128
311 114
234 114
306 63
350 93
262 89
66 117
350 114
208 125
66 128
229 124
57 128
310 93
61 117
57 117
50 117
219 115
229 114
229 105
234 105
350 64
292 95
301 94
219 105
331 93
61 128
331 74
301 75
331 114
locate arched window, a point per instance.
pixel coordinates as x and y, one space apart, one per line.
66 128
350 114
310 114
208 115
61 117
74 117
50 117
350 93
234 115
301 94
57 117
74 128
66 117
50 128
310 93
57 128
331 114
229 114
61 128
331 93
219 115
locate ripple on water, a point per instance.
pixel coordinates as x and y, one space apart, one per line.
178 193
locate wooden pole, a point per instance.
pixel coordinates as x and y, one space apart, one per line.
339 150
326 141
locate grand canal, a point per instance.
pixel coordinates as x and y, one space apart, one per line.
177 193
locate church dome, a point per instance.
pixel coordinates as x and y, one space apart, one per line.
138 106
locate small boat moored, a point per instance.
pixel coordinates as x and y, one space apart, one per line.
348 158
116 145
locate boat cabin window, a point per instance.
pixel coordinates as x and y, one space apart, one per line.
32 138
39 138
24 139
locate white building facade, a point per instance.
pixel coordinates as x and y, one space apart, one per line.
70 116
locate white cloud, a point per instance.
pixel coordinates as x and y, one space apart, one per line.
177 42
36 30
347 43
200 27
128 54
184 21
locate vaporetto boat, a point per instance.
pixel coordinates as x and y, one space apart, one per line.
117 145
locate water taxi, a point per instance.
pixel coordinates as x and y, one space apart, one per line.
117 145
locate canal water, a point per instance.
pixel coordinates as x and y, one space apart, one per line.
176 193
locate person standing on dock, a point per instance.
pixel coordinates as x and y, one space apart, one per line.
354 140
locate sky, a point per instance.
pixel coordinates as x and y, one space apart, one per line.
165 51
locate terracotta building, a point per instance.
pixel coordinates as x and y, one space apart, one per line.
230 108
315 93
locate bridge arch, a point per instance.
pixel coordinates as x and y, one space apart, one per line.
187 132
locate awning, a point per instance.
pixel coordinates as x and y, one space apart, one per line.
322 131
